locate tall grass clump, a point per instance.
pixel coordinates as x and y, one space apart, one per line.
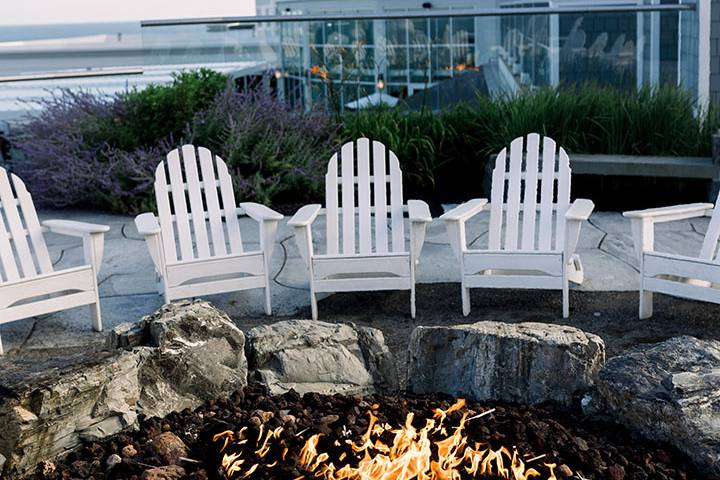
599 119
425 142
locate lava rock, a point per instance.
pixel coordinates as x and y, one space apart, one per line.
129 451
313 356
168 472
670 392
169 447
523 362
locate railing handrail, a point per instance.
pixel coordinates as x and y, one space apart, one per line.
64 74
480 12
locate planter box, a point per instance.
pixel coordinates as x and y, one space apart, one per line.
704 168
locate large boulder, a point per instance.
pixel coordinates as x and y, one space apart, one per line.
48 408
670 392
522 362
179 357
313 356
193 352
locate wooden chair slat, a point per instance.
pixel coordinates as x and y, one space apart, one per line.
563 198
380 193
9 268
363 200
547 189
396 204
196 203
165 216
497 200
532 148
14 224
217 232
513 196
331 206
347 173
230 206
177 190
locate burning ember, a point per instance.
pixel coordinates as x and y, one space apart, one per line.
432 452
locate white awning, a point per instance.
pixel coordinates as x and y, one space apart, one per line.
372 100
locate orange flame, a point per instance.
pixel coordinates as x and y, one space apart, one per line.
413 454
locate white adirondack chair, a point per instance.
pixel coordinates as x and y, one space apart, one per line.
199 251
525 250
29 285
671 274
359 255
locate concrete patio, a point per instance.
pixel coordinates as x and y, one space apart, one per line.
128 287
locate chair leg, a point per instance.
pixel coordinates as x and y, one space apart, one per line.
2 352
646 304
95 316
313 305
465 293
412 301
566 298
268 306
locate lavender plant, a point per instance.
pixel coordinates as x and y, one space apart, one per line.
276 154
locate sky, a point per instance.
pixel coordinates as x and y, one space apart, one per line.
33 12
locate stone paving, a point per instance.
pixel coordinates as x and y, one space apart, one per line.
128 286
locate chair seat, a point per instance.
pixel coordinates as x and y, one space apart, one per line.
78 282
246 263
388 264
546 262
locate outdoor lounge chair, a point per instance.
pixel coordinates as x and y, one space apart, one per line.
519 253
672 274
359 256
29 286
200 251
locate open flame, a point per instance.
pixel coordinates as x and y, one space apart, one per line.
383 452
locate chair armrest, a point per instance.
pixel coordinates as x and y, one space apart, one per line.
418 211
305 216
668 214
465 211
73 228
260 213
580 209
147 224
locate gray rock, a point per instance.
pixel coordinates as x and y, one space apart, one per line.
197 354
523 362
313 356
191 353
128 335
50 411
670 392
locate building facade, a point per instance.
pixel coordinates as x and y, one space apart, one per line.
343 60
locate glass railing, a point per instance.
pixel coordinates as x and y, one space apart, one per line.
430 58
435 58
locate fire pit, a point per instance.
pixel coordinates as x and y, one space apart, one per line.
253 434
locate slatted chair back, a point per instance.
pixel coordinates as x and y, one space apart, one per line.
529 184
709 250
196 206
23 252
364 200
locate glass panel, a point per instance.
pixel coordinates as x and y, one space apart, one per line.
506 52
